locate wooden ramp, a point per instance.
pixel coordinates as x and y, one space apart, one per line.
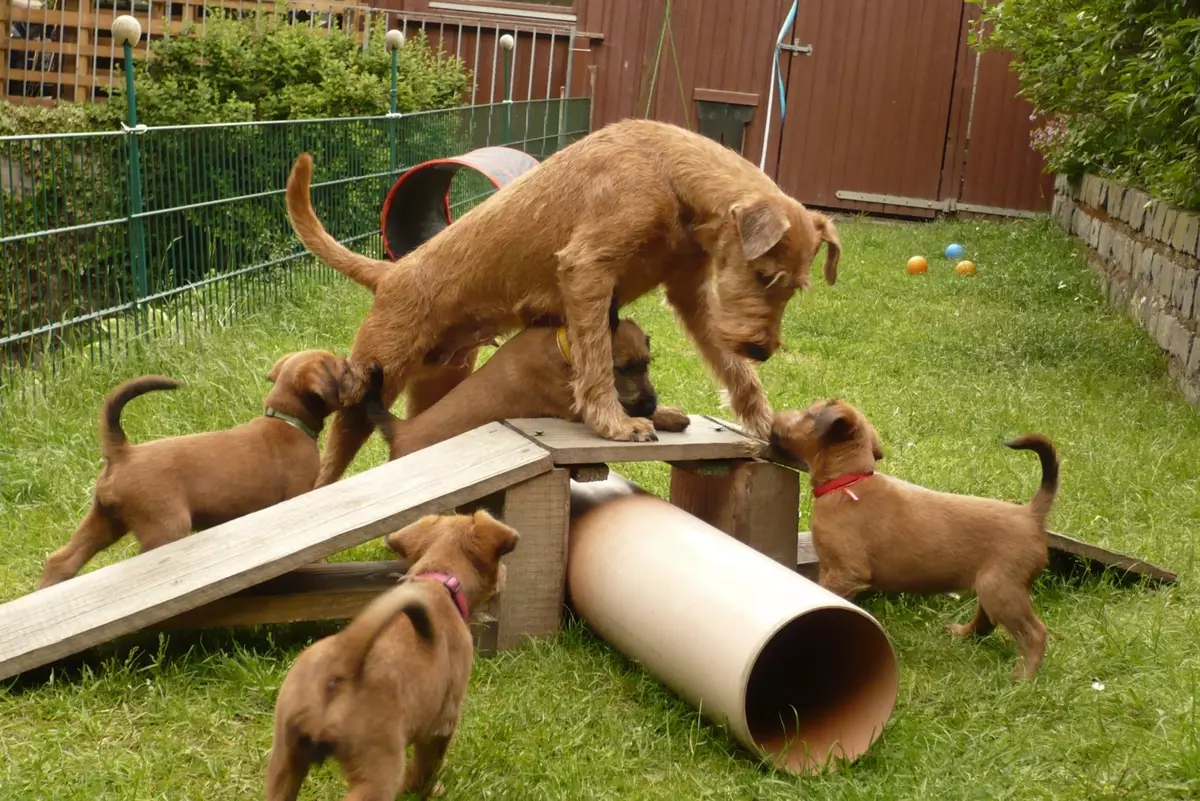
135 593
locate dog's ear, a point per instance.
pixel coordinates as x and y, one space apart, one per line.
876 445
614 314
277 368
833 245
411 542
834 423
501 539
760 226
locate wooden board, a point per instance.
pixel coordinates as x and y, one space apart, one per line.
754 501
807 562
576 443
1104 558
768 453
95 607
332 591
531 603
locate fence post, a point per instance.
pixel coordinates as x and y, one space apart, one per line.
127 31
393 40
506 44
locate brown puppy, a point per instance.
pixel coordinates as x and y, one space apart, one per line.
630 207
873 531
528 376
163 490
398 673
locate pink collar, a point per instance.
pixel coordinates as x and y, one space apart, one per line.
841 483
454 586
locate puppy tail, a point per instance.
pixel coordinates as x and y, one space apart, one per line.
355 640
362 270
389 425
112 436
1043 499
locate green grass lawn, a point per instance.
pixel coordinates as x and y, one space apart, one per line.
946 367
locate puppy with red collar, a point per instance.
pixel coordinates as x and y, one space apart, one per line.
873 531
398 673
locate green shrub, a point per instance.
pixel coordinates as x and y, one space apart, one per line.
261 67
1117 83
255 67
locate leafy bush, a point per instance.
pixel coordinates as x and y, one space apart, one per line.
256 67
1117 83
262 67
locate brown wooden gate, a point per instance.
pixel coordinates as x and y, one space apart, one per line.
891 112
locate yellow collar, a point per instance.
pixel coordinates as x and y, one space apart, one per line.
564 345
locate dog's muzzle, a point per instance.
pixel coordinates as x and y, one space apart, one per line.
756 352
642 407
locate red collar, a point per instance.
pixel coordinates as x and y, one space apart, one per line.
454 586
842 483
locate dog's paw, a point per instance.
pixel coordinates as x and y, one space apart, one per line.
668 418
634 429
436 791
962 630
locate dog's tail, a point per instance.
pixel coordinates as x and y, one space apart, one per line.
361 269
355 640
379 415
112 436
1043 499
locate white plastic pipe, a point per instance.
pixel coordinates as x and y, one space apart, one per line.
798 675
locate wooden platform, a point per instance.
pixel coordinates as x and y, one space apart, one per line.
260 568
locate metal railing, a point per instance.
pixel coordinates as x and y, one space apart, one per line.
111 238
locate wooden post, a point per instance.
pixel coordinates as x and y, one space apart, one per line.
755 502
530 604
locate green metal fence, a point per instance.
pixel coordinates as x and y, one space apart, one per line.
107 239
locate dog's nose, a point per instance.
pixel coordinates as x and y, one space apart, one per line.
643 407
755 351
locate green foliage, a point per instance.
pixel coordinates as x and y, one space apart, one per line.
63 118
256 67
262 67
1118 83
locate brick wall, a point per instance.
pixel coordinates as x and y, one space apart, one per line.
1145 254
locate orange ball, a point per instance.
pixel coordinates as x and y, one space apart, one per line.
917 264
965 268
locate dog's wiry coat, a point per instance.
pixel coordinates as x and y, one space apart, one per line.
528 376
632 206
164 489
396 675
886 534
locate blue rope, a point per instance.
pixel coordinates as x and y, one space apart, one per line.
787 23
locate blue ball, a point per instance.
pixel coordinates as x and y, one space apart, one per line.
955 251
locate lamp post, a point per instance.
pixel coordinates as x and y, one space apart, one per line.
393 40
507 43
127 32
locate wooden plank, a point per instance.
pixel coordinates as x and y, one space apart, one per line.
1104 558
334 591
575 443
532 601
806 557
756 503
137 592
768 452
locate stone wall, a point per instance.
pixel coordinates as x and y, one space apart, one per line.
1145 254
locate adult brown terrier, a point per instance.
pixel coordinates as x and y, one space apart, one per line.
163 490
630 207
528 376
873 531
398 673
